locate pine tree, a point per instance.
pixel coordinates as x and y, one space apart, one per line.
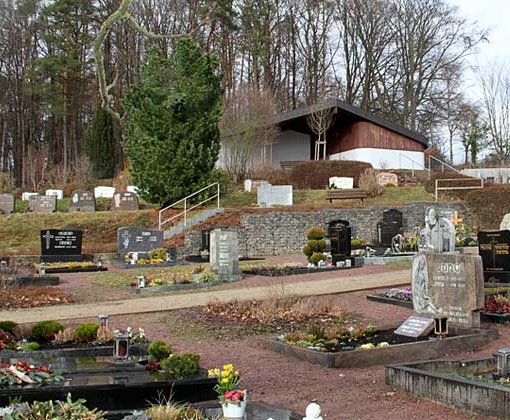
171 124
100 145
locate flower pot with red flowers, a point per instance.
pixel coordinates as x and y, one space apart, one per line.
232 399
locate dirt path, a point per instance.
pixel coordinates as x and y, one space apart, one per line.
152 303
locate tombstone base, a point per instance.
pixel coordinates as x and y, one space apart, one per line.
61 258
229 277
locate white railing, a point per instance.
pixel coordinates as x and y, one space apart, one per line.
414 164
185 202
474 187
443 165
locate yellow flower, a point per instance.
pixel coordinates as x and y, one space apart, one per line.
210 373
225 373
236 373
224 381
229 367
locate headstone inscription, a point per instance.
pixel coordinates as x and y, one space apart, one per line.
6 203
494 248
136 239
415 326
339 234
448 285
43 203
390 226
61 245
124 201
505 222
82 201
224 254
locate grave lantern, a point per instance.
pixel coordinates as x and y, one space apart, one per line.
502 358
42 269
99 262
441 327
103 320
121 347
142 281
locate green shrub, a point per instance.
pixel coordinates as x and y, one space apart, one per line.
315 234
159 350
158 254
357 242
44 331
30 346
86 332
8 326
488 206
316 174
316 257
182 366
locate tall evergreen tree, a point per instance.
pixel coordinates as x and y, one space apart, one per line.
100 145
171 123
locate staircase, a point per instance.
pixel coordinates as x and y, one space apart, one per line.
181 227
184 206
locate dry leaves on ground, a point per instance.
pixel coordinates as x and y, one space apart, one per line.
32 296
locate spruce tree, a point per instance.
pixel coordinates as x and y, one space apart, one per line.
171 125
100 145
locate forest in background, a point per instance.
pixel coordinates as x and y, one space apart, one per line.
401 59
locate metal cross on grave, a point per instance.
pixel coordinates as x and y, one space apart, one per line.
456 219
125 236
48 237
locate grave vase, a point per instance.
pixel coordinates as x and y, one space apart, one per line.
233 411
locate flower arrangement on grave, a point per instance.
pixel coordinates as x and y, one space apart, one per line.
400 294
22 374
497 304
227 387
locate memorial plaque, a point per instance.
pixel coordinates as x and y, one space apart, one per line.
339 234
61 245
448 285
390 226
6 203
494 248
136 239
43 203
415 326
82 201
124 201
224 254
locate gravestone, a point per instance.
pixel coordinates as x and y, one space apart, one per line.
82 201
124 201
6 203
391 225
136 239
339 234
415 326
104 192
494 248
341 182
132 188
448 285
251 185
61 245
269 195
505 223
26 195
43 203
224 254
58 193
385 178
439 233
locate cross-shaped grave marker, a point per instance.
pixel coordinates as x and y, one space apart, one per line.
48 236
456 219
125 236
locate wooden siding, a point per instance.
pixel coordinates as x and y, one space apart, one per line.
363 134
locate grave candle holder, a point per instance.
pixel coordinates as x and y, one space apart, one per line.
441 327
42 269
103 320
99 262
121 347
503 365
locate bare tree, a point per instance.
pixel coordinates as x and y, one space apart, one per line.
319 122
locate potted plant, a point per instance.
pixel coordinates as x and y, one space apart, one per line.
232 399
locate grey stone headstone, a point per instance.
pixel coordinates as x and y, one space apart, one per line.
43 203
224 254
136 239
270 195
82 201
6 203
448 285
124 201
415 326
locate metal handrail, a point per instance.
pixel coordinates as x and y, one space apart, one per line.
443 164
187 209
438 188
420 166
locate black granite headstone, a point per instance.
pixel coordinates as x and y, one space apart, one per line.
83 201
136 239
61 245
494 248
125 201
339 233
390 226
6 203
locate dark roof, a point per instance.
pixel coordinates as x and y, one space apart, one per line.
354 111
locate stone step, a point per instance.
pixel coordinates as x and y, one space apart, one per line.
199 218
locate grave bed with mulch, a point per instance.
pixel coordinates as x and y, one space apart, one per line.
392 301
429 348
72 350
63 270
290 271
27 281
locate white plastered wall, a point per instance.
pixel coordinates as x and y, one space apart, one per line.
384 158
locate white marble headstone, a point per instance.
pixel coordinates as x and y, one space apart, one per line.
270 195
58 193
26 195
104 192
